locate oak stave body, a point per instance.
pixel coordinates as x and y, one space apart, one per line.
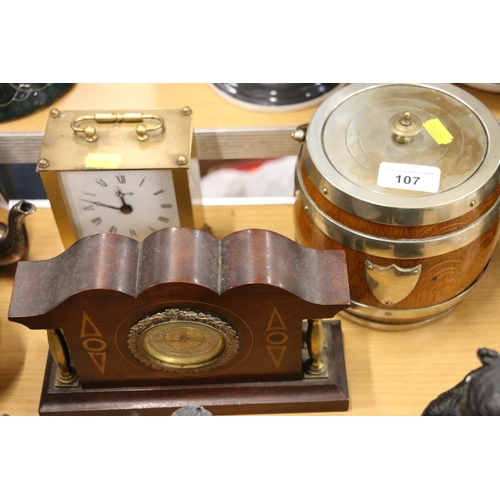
443 279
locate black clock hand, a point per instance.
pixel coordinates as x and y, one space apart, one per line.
125 208
99 204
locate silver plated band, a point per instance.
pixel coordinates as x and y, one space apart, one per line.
392 327
377 318
393 248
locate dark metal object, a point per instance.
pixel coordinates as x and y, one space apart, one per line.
477 394
191 411
13 235
275 94
22 99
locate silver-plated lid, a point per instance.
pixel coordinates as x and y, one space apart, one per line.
440 126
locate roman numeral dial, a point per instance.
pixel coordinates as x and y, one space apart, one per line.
133 203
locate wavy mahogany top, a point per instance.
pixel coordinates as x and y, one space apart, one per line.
180 255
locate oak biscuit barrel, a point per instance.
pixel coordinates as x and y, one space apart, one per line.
405 179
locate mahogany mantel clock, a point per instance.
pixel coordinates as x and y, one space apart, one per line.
183 318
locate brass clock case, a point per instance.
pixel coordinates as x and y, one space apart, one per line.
183 341
101 171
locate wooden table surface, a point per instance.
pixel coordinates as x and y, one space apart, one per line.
389 373
209 109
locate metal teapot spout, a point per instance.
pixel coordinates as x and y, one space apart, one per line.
13 236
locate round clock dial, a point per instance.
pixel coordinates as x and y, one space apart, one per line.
131 203
183 341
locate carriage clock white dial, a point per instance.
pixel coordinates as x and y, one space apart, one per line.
131 203
128 173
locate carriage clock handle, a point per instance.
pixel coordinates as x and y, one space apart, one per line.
145 126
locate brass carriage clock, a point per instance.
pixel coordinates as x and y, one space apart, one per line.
124 172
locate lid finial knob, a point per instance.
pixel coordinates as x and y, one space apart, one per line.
405 126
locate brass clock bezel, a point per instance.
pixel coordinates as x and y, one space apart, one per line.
64 150
216 342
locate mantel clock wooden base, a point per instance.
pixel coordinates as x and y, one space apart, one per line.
329 394
234 325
